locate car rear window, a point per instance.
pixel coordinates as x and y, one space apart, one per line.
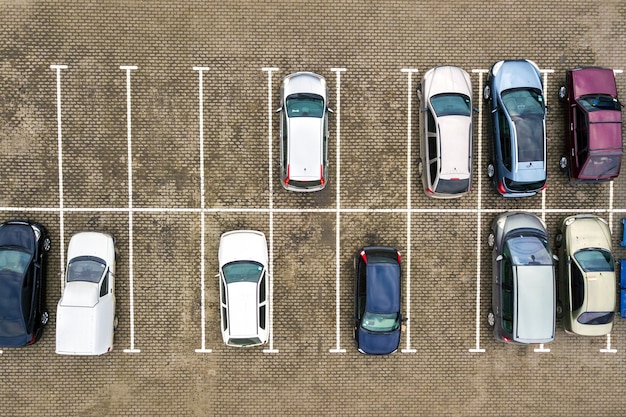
523 186
453 186
305 184
596 318
305 105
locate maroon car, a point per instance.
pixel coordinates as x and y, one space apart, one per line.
593 150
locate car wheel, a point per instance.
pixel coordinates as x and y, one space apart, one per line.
491 239
491 318
491 170
420 169
563 163
45 316
562 93
487 92
47 244
559 309
558 240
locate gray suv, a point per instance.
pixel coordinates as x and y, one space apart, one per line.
523 307
304 132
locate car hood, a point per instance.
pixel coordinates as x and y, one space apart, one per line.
305 153
455 154
587 232
593 81
80 294
306 82
95 244
378 344
243 245
447 79
600 291
517 74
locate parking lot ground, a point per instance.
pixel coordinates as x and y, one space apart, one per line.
449 365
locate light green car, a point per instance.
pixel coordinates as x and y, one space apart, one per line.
587 292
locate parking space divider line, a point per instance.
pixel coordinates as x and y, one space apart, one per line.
542 348
337 72
479 209
128 69
200 70
271 349
58 69
409 73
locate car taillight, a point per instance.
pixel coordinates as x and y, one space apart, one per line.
363 256
506 339
322 180
501 188
429 191
544 186
287 177
399 256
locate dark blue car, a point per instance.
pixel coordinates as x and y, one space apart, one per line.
23 249
514 91
377 291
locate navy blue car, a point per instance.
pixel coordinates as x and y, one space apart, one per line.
514 91
23 251
377 291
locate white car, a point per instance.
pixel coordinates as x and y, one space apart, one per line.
446 132
304 132
86 312
243 288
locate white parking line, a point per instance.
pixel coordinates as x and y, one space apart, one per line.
58 69
200 70
477 348
338 72
128 69
542 348
271 210
409 161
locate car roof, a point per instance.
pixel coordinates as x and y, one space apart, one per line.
383 288
305 148
454 133
593 80
11 290
535 302
600 294
242 309
605 133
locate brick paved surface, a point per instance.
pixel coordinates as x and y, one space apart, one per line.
373 40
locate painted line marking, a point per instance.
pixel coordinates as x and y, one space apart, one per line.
58 69
542 348
270 349
409 73
200 70
128 69
479 210
338 72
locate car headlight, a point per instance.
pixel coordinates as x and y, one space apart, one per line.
323 82
36 230
569 221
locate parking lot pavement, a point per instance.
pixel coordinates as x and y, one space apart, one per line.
187 167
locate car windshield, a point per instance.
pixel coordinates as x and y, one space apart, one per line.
451 104
85 268
380 322
305 105
595 102
529 250
242 271
595 260
14 260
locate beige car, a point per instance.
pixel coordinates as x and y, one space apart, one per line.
587 292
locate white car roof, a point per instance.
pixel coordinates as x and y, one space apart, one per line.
454 132
305 150
242 309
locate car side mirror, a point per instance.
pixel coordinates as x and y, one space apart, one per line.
329 110
279 109
404 319
424 109
555 257
499 258
217 275
475 109
494 110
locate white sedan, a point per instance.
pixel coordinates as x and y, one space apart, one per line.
86 312
244 296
